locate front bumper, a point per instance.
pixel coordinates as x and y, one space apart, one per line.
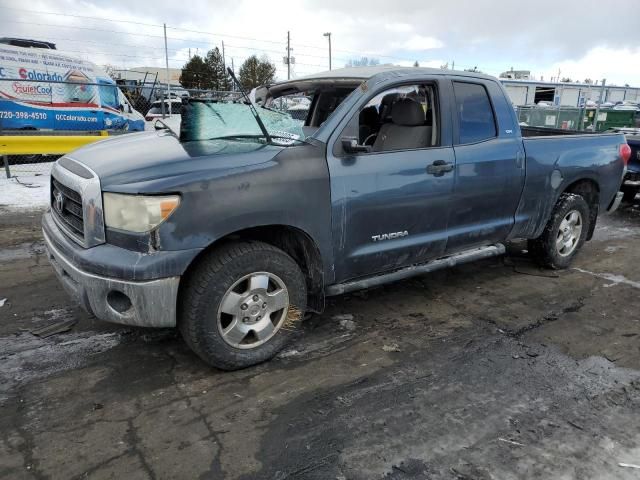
150 303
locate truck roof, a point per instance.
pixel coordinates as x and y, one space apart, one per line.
350 75
364 73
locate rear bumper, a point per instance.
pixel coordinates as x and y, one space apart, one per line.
147 303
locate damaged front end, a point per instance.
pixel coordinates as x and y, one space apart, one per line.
113 283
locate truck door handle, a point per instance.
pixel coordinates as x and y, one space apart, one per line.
439 168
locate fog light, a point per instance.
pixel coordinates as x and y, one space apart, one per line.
118 301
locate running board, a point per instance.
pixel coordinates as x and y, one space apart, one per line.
445 262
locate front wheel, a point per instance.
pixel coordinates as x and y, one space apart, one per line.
241 303
565 233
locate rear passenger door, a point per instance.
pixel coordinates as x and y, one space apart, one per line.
489 174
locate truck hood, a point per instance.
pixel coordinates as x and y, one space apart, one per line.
136 162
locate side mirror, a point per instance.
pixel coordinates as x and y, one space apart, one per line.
121 107
350 145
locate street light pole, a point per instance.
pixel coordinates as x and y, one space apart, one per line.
288 56
328 35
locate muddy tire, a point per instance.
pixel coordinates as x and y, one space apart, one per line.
628 194
241 303
564 234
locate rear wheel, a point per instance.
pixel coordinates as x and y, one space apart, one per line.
565 233
241 303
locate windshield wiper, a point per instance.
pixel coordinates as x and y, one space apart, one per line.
240 137
251 106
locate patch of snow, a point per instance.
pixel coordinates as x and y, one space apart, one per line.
614 279
27 191
607 232
394 347
346 321
2 300
289 353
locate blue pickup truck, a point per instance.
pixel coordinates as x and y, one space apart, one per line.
235 226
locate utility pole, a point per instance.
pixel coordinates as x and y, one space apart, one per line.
166 59
594 126
328 35
288 56
453 65
224 62
233 69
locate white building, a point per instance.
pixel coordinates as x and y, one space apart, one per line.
530 92
516 74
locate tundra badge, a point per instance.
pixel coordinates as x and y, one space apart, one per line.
389 236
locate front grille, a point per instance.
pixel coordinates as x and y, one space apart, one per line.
66 203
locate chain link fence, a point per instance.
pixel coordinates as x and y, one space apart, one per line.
581 119
27 165
563 118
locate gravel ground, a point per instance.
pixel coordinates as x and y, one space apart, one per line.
494 370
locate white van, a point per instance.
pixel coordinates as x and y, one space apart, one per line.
49 90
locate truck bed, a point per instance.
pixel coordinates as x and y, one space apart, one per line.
574 156
549 132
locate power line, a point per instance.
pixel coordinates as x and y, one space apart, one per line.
223 35
81 28
201 32
38 12
372 54
185 40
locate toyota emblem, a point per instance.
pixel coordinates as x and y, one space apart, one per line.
59 199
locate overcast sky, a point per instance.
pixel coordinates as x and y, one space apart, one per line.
581 38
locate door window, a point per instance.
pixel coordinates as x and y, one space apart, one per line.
400 118
476 121
109 96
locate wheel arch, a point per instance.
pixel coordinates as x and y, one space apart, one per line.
589 189
294 241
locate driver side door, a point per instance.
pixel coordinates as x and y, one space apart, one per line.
391 204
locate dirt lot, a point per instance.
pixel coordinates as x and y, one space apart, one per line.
495 370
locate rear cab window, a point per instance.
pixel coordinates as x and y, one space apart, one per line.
475 116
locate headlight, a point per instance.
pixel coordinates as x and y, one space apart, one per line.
137 213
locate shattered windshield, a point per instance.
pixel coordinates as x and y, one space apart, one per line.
209 120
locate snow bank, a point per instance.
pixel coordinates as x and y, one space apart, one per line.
26 191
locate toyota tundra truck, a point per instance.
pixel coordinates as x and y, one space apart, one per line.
235 226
